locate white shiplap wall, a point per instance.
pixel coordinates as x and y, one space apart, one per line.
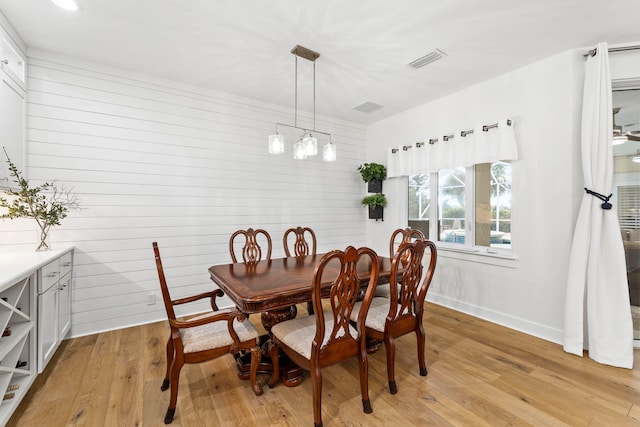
158 160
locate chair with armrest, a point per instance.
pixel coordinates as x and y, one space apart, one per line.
327 337
398 237
251 251
203 337
401 313
300 247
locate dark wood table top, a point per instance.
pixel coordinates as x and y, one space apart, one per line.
279 283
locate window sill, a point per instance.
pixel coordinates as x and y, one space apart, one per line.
478 255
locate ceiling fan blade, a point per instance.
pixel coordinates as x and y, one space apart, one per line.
633 135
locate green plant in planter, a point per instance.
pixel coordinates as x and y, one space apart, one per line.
46 204
372 171
374 200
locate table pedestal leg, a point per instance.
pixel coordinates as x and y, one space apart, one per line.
290 373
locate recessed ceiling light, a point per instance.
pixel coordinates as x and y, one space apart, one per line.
72 5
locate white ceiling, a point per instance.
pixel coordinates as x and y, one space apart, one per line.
243 46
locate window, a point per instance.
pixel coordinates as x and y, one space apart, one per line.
419 203
629 206
473 205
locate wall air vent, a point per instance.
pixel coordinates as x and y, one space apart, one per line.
368 107
427 59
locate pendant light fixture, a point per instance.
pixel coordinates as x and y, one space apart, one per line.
307 144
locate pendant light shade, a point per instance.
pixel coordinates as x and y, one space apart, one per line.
310 145
307 144
329 152
276 144
299 151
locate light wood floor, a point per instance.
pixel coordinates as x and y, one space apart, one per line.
479 374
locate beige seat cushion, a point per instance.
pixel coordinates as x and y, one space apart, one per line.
215 334
298 333
377 314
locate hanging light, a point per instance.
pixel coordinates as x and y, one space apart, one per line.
299 150
276 144
310 144
329 152
307 144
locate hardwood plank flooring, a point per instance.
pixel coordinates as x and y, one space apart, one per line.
480 374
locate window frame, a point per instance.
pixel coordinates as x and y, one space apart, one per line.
469 245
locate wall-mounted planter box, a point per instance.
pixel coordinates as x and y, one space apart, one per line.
376 212
374 186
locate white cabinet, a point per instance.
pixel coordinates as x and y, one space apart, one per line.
12 107
54 306
17 345
35 315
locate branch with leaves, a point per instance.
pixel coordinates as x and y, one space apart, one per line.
46 204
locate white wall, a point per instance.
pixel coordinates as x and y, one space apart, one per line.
544 99
157 160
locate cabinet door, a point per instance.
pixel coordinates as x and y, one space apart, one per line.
64 306
12 128
47 325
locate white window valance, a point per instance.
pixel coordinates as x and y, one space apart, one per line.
482 144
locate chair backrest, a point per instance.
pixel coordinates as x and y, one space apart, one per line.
339 268
301 245
406 235
407 291
166 298
251 251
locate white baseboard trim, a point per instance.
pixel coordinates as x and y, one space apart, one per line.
512 322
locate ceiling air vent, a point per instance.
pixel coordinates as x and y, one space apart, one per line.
427 59
368 107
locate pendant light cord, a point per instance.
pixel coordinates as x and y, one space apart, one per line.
295 117
314 96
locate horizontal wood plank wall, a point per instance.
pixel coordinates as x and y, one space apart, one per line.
153 160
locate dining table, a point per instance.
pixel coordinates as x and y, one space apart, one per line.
273 288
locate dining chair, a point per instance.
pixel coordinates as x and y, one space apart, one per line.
251 251
204 337
401 313
398 237
300 247
327 337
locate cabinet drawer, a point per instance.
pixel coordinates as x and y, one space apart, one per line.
66 263
50 274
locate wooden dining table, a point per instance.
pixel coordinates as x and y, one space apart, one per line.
274 287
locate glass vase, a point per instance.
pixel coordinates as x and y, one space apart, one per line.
43 238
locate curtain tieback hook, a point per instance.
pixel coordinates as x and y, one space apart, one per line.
606 205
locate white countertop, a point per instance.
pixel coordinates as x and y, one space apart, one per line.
17 265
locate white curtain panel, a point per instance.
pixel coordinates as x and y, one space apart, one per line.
597 297
454 150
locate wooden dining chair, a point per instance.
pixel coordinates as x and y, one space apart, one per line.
203 337
300 247
401 313
327 337
398 237
251 251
